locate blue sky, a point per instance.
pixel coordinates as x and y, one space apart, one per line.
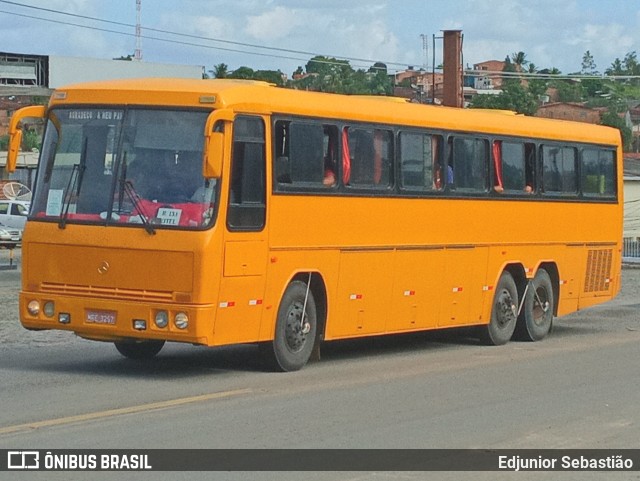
553 33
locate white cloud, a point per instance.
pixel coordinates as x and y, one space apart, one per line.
277 23
349 30
604 41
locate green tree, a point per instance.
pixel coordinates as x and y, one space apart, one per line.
330 74
242 73
271 76
513 97
630 63
568 91
616 68
519 60
220 71
509 67
588 64
31 140
612 119
381 83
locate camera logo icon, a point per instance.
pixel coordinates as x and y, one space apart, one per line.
23 460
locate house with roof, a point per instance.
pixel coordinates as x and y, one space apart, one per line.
418 85
574 111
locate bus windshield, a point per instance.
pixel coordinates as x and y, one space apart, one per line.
124 166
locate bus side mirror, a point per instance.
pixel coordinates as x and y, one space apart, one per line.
15 132
214 155
214 144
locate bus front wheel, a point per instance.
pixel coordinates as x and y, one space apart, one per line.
504 312
537 311
296 328
139 349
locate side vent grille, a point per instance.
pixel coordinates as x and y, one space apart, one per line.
598 275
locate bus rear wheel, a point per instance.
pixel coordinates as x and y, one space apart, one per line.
504 313
139 349
296 328
537 311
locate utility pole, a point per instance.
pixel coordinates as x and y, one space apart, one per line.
138 53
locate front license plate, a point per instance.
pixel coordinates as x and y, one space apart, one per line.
100 317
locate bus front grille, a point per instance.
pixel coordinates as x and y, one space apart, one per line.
106 292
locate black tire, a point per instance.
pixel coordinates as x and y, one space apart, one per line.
504 313
294 337
139 349
536 318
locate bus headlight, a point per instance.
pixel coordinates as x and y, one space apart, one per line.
181 320
49 308
33 308
162 319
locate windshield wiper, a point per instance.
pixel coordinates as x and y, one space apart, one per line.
75 183
130 192
64 212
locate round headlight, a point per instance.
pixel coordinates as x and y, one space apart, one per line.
49 309
181 321
33 308
162 319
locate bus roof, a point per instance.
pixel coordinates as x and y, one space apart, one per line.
261 97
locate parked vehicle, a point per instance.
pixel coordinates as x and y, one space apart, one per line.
13 213
9 237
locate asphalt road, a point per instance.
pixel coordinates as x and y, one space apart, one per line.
576 389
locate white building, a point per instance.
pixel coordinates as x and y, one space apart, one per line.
22 72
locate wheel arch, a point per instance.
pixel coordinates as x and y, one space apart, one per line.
552 270
519 276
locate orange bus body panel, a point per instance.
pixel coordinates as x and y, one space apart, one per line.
387 264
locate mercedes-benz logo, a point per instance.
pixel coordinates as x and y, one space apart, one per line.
104 267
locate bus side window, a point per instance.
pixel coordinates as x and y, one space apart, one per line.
510 172
597 173
371 152
559 174
281 154
420 168
470 158
247 195
305 153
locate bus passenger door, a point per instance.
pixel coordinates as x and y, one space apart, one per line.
245 246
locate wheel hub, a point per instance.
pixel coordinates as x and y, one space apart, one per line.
506 309
297 328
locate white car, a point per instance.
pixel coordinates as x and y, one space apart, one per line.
13 213
9 236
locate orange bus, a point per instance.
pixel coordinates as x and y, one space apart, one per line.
217 212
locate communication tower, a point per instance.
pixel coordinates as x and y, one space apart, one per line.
425 50
138 53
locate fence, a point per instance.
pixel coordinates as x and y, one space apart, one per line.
631 248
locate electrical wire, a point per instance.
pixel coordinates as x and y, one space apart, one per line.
185 35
